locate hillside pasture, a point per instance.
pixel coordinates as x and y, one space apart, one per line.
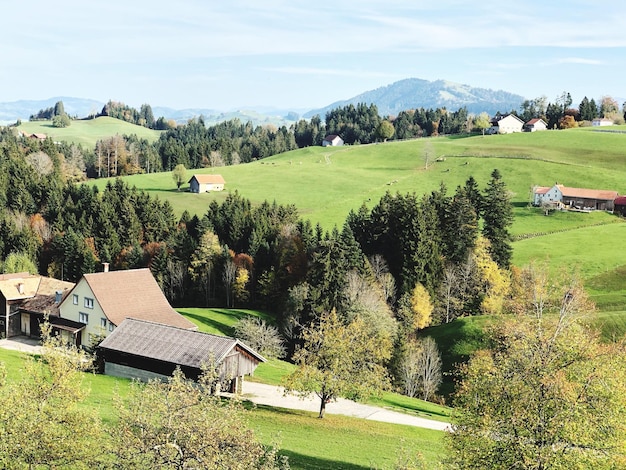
326 183
88 132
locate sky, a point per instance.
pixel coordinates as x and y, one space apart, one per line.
300 55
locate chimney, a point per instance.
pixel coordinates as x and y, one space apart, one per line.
58 295
105 267
20 288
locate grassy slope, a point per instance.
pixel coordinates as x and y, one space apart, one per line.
309 442
87 133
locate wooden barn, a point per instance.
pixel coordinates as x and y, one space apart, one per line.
206 183
145 350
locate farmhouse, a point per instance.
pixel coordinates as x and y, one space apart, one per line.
102 301
602 122
575 198
144 350
534 125
506 124
332 140
24 301
206 183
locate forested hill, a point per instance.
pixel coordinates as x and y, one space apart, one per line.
413 93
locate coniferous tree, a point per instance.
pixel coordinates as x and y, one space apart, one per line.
498 217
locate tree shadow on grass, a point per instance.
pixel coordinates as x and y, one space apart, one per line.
306 462
216 325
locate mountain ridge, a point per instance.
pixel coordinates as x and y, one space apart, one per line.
412 93
409 93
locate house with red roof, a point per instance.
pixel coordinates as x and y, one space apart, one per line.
536 124
575 198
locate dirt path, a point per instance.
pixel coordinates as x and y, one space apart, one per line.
273 396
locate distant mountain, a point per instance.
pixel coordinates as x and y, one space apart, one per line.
414 93
23 109
80 107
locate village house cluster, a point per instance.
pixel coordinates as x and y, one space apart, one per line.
125 314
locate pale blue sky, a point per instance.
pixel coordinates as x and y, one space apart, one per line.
304 54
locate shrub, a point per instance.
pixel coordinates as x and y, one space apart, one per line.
260 336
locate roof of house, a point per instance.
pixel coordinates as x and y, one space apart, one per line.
19 286
620 201
532 122
542 189
133 293
208 179
584 193
496 120
331 137
169 344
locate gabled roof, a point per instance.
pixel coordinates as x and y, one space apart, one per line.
542 189
589 193
532 122
19 285
133 293
496 120
208 179
331 137
173 345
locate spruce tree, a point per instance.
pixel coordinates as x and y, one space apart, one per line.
497 217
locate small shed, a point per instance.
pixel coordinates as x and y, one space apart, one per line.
601 122
620 205
145 350
332 140
206 183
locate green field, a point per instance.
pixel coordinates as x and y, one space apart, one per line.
337 442
88 132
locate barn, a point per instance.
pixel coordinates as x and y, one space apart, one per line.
620 205
145 350
206 183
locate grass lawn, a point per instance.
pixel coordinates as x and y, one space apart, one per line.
88 132
336 442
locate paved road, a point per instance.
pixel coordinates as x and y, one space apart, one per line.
274 396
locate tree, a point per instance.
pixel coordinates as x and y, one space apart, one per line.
203 261
180 424
421 308
260 336
385 130
19 263
179 174
339 359
497 217
482 122
608 107
421 368
61 120
43 420
547 394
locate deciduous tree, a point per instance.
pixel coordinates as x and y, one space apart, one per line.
339 360
548 394
179 174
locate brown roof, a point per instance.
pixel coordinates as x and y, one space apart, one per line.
169 344
133 293
534 121
583 193
19 286
542 189
208 179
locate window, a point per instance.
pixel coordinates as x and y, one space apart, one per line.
88 302
75 299
103 322
111 326
83 317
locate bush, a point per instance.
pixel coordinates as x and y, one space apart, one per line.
263 338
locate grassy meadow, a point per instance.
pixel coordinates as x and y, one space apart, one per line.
337 442
88 132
